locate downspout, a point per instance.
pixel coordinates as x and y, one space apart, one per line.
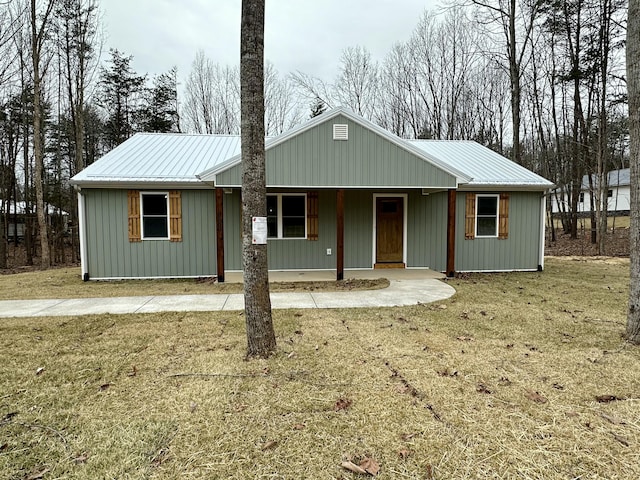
82 231
543 213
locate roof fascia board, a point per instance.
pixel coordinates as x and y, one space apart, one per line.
348 187
503 187
164 185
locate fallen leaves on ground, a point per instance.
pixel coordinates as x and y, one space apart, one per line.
482 388
342 404
607 398
535 396
367 466
269 445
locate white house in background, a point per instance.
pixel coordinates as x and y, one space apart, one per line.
618 194
17 213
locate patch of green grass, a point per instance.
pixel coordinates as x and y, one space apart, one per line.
447 390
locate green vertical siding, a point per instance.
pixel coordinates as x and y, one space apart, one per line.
285 254
358 229
427 230
232 221
314 159
518 252
294 254
111 255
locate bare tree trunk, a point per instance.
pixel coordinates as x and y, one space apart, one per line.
261 339
633 85
3 240
37 41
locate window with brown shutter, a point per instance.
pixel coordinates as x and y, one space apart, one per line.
134 215
149 218
312 215
470 217
175 216
503 226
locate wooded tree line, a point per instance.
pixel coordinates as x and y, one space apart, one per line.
542 82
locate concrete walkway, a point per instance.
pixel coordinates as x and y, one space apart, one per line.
408 288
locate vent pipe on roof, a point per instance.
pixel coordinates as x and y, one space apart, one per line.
340 132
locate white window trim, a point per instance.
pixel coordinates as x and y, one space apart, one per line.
486 195
142 216
280 228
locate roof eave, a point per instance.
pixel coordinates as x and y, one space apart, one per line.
511 187
169 183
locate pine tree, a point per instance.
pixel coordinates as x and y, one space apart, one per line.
318 107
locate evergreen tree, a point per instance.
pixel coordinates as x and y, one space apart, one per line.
318 107
160 110
120 91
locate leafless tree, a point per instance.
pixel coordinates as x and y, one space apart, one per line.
633 84
39 29
212 97
512 21
261 340
282 107
79 48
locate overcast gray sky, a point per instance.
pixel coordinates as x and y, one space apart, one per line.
305 35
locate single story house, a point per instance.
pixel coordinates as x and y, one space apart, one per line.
342 193
618 194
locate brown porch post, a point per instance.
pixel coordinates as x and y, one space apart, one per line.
451 233
220 233
340 234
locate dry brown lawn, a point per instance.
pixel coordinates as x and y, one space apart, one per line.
521 375
66 283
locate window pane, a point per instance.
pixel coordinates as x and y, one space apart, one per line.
486 227
389 206
487 206
155 227
272 227
292 206
154 204
293 227
272 216
272 206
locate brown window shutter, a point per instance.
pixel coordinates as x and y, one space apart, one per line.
312 215
470 217
134 215
175 216
503 225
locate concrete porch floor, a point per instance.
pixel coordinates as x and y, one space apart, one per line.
330 275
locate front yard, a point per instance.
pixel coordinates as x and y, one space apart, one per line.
521 375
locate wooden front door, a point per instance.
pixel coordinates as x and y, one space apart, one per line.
389 230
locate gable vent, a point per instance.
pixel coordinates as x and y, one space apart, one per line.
340 132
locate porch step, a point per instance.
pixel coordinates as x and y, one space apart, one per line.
389 265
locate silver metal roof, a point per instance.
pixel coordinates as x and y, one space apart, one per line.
485 167
185 160
148 158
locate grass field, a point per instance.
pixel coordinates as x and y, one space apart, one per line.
67 283
520 375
